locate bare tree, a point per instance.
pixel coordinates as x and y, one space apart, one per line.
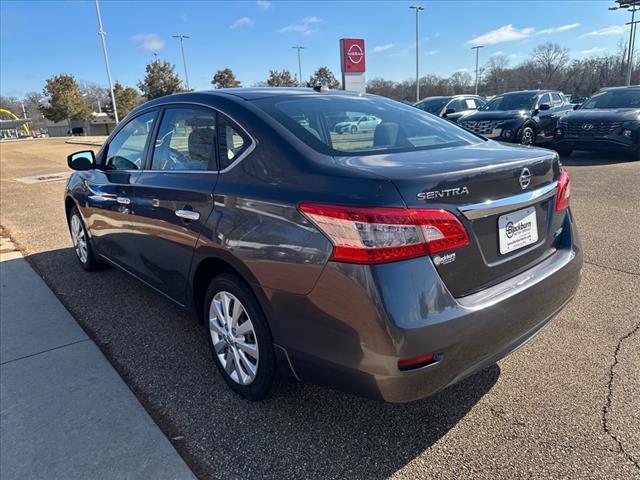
550 58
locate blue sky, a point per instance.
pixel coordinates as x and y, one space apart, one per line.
39 39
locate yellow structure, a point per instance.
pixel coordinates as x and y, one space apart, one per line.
25 127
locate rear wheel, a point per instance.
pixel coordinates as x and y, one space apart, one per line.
239 338
527 136
81 242
354 129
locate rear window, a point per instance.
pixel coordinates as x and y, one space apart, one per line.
362 125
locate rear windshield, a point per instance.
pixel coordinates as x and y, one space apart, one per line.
362 125
514 101
614 99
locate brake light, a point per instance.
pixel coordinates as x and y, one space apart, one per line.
564 191
379 235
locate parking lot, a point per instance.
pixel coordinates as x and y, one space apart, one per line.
565 406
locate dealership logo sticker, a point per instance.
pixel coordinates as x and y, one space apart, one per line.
444 259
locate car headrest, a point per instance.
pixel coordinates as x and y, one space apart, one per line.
386 134
201 142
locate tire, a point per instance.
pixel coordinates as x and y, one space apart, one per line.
635 156
354 129
527 136
564 151
82 243
250 370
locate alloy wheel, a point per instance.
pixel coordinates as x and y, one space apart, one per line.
527 137
234 339
79 238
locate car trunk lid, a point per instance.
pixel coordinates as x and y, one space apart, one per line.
490 187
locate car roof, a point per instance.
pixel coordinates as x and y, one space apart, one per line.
253 93
532 92
624 87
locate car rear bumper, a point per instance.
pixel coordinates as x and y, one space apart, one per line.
358 321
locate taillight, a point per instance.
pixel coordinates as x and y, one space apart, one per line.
379 235
564 191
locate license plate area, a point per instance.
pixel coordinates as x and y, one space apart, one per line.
517 230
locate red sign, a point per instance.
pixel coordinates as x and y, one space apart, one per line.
352 53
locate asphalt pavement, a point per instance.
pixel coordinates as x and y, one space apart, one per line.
565 406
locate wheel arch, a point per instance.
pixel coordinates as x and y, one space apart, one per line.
207 267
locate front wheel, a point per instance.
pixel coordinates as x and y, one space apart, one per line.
239 338
527 136
81 242
354 129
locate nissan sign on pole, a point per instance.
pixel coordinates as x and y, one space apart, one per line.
352 55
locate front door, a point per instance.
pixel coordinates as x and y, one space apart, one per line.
109 210
174 197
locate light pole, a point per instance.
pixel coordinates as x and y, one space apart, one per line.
102 34
631 6
184 59
417 8
298 48
477 49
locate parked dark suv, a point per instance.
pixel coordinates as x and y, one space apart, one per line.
528 117
451 107
608 121
389 263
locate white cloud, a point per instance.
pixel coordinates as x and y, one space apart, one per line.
242 22
495 54
612 30
150 42
382 48
305 26
506 33
264 4
561 28
431 52
462 70
592 51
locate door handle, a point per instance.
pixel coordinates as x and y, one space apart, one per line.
123 200
188 215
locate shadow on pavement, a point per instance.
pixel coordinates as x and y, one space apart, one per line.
304 431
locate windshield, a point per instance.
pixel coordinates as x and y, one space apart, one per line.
362 125
515 101
433 105
627 98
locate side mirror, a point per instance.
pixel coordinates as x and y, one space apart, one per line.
449 111
576 106
544 106
84 160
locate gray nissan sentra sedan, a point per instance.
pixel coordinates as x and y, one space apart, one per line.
389 263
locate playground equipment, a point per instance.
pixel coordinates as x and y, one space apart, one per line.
25 127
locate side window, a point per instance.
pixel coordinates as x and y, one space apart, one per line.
458 105
126 149
556 99
544 99
232 141
186 140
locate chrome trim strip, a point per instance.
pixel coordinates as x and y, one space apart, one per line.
503 205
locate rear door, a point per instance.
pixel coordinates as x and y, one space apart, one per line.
109 211
174 196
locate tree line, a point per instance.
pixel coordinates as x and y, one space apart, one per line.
65 98
548 66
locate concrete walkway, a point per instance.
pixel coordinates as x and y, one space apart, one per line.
64 411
